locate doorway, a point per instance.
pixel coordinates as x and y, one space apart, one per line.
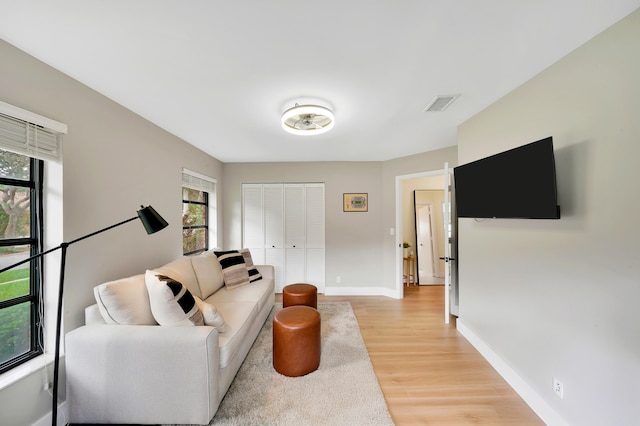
405 224
429 226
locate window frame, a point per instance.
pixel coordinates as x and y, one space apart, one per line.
34 298
204 203
208 185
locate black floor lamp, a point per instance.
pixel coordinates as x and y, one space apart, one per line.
152 222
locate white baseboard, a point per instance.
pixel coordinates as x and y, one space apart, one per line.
63 416
522 388
360 291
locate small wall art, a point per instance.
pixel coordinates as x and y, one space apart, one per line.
355 202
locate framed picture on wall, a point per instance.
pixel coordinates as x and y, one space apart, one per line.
355 202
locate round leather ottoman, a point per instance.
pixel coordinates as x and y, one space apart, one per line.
300 294
296 341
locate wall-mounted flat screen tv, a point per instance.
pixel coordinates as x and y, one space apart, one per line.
518 183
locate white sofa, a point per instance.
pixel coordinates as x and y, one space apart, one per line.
154 374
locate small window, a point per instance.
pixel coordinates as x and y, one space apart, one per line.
20 287
27 141
198 212
195 221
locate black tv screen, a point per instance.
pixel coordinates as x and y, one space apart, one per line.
519 183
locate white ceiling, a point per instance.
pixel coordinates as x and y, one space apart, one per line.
219 74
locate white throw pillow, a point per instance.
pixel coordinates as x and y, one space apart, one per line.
125 301
211 315
171 302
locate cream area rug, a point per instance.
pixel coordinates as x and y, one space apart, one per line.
343 391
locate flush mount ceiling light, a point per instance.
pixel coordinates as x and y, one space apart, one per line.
307 120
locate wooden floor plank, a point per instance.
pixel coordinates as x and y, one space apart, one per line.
428 372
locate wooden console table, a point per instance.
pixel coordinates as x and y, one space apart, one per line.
409 275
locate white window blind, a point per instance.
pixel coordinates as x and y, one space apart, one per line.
198 181
30 134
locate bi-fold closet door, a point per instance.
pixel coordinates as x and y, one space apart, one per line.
283 226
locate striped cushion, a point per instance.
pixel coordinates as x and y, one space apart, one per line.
254 275
234 270
171 302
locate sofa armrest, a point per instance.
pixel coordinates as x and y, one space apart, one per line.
92 315
142 374
267 271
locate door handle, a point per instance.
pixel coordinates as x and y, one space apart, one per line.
447 259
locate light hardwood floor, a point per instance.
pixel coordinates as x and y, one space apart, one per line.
428 372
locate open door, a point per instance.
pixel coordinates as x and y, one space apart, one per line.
450 248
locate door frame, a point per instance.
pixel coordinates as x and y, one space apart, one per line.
399 223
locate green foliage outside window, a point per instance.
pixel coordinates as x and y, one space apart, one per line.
194 221
15 223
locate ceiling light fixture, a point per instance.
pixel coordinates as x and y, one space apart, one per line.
307 120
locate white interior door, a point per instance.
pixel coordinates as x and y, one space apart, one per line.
451 240
447 243
253 222
283 225
425 242
274 230
315 243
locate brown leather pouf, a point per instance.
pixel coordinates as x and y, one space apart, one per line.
296 341
300 294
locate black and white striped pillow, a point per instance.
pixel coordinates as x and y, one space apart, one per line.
234 270
254 274
171 302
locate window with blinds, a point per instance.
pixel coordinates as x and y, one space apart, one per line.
198 206
25 133
26 139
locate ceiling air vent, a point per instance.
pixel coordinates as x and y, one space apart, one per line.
440 103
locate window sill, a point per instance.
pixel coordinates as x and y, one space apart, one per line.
23 370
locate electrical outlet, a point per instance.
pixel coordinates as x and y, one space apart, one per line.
338 279
558 388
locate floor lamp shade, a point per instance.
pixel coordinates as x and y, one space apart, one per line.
151 220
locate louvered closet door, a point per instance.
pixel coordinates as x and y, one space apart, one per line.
314 232
274 230
294 214
253 222
285 223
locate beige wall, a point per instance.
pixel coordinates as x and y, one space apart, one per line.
352 239
114 161
359 247
558 298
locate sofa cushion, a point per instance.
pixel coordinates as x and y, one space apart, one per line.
125 301
234 269
211 315
182 271
208 272
171 302
239 316
261 292
254 274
